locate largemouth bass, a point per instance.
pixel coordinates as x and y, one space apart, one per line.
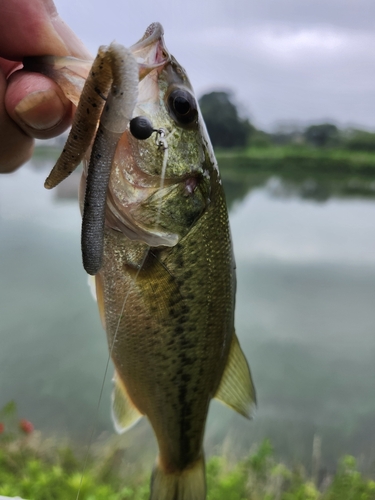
156 236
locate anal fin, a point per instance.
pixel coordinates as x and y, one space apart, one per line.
97 292
124 413
236 388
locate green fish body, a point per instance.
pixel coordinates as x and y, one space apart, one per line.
166 286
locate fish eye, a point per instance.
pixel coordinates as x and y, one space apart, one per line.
183 107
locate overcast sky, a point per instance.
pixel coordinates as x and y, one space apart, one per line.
285 60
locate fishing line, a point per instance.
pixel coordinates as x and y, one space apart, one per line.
161 142
106 372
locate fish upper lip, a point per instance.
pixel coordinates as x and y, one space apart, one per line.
151 52
152 34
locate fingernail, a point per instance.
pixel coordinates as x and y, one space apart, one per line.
41 110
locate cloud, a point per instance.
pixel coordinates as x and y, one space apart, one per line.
300 73
285 59
273 39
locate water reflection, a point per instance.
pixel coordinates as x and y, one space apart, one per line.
312 179
305 315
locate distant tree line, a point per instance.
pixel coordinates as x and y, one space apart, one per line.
227 129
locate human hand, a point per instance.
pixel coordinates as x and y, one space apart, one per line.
31 105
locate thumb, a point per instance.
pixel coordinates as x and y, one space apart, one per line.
32 28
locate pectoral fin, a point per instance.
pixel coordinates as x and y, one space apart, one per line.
236 388
68 72
124 413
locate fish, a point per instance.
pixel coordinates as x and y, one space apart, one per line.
156 240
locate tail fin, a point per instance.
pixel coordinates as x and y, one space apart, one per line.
188 484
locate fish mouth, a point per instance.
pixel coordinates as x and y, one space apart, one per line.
137 185
131 186
150 51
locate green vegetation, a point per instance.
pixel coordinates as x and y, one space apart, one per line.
360 140
316 162
33 474
41 470
290 151
300 161
228 130
322 135
223 122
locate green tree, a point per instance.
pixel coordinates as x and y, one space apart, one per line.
361 140
224 125
322 135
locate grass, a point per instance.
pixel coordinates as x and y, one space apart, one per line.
38 471
298 151
299 160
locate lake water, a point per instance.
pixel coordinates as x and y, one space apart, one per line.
305 317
